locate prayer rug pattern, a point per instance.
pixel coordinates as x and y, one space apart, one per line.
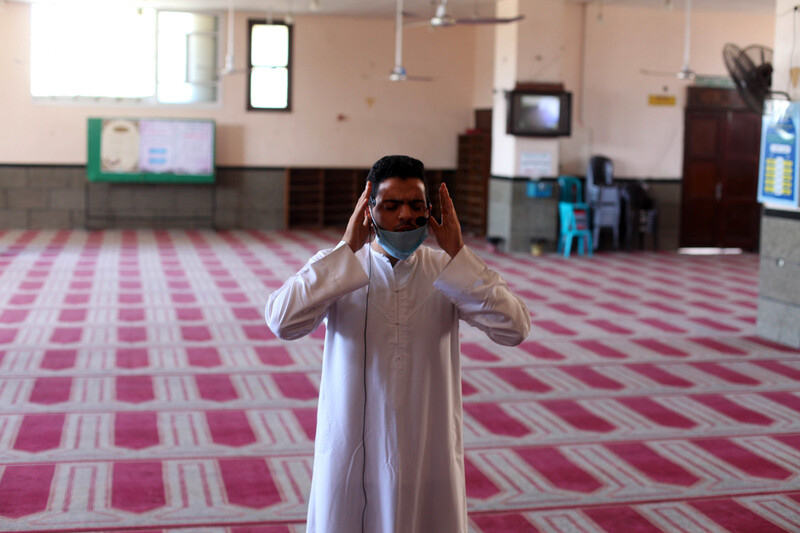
141 390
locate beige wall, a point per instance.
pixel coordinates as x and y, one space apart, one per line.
343 113
643 140
337 62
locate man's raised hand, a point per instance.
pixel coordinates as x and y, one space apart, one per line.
448 233
357 231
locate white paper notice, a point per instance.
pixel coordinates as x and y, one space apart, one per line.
157 146
176 147
536 164
119 146
193 153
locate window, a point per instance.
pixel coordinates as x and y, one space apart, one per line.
270 66
139 55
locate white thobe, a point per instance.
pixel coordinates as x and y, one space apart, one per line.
413 481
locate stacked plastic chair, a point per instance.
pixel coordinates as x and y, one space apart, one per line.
573 214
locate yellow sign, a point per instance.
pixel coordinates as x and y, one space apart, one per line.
661 99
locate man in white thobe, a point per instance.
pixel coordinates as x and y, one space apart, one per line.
388 454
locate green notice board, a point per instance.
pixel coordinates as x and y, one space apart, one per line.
150 150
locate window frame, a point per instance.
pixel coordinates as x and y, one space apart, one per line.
290 28
151 100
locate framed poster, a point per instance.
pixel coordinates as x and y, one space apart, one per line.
150 150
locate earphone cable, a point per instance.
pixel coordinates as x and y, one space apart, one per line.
364 419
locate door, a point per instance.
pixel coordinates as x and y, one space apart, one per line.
720 179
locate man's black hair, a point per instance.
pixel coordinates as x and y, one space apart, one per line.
396 166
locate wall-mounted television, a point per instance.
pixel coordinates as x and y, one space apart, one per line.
539 114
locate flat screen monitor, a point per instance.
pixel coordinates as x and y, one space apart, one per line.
539 114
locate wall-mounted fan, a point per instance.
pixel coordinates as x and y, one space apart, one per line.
751 70
685 73
441 18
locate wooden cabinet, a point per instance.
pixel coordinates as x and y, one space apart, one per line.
470 189
325 197
320 197
720 171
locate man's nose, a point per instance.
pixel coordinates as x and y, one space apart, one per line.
404 212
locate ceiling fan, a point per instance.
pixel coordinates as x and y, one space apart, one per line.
685 73
441 19
398 73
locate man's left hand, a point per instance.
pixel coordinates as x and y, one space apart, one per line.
448 233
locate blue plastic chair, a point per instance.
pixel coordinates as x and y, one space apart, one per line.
573 214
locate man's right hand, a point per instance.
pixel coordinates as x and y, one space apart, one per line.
357 232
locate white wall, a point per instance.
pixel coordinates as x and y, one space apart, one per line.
343 113
643 140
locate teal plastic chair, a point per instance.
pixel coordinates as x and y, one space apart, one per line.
573 214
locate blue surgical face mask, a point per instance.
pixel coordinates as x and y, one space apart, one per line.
401 244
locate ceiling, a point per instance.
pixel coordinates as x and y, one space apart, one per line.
386 8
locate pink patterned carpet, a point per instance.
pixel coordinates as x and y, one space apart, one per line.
141 391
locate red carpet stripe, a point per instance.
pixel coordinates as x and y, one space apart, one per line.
660 347
717 346
540 351
249 483
137 487
601 349
496 420
25 489
478 485
652 464
578 416
521 380
135 389
477 352
230 428
58 359
780 368
657 413
734 517
591 377
274 355
39 432
203 356
215 387
503 523
713 324
295 385
553 327
132 358
558 469
614 519
51 390
662 325
659 375
726 374
743 459
733 410
610 327
136 431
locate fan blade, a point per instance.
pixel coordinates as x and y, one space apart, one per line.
683 74
418 24
490 20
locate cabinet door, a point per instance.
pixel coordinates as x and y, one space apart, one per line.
720 179
740 213
701 175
